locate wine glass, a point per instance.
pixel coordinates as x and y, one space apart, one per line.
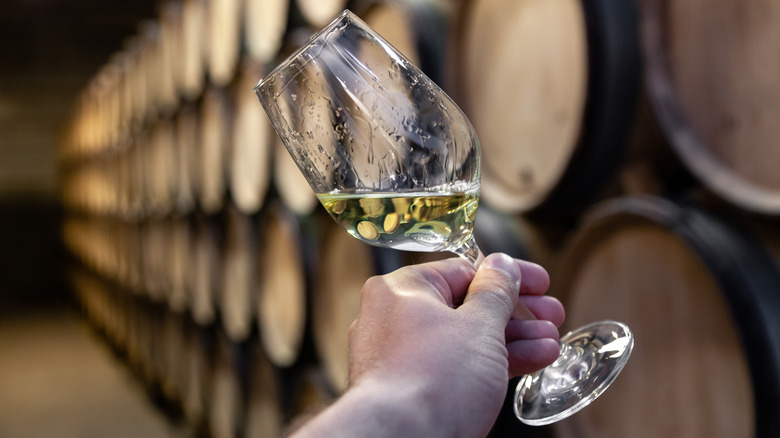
397 164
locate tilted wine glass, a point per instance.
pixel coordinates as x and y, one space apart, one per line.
397 164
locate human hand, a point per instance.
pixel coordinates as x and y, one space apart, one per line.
446 333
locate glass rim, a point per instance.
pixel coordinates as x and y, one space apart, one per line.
342 17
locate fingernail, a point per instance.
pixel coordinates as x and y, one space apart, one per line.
504 263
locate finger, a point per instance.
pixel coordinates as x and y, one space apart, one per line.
450 277
517 330
545 308
527 356
536 280
457 274
447 279
493 291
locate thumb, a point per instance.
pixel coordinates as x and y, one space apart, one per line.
493 292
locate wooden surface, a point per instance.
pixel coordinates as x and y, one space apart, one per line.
187 136
237 297
181 248
524 83
216 121
169 47
195 391
712 74
224 39
227 410
250 156
161 168
263 407
206 268
281 287
264 26
192 62
689 374
320 12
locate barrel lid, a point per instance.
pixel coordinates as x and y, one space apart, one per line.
694 262
283 276
711 75
552 128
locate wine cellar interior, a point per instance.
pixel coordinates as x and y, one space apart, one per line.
165 270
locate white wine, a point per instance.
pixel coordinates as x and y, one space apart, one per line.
416 221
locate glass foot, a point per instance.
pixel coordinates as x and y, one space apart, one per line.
591 358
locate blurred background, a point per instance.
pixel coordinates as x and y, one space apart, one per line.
50 51
166 271
56 378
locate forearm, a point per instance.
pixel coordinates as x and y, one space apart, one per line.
376 409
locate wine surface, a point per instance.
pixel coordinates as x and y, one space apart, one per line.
418 221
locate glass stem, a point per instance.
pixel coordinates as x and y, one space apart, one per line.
472 254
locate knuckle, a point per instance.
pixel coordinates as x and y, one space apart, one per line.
495 296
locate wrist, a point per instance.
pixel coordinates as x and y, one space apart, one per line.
378 408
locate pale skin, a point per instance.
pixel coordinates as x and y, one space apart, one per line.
434 346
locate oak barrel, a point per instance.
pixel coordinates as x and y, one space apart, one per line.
161 167
215 137
712 71
179 259
149 68
155 254
227 400
236 291
265 22
283 275
264 414
224 39
318 13
206 268
252 140
197 351
187 140
191 67
169 50
701 297
550 87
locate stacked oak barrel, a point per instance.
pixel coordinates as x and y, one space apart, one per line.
630 146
